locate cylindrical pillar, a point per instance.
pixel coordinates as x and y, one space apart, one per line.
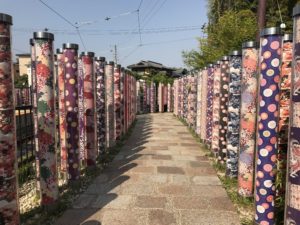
209 109
9 210
122 92
34 114
224 89
247 140
292 209
61 111
70 52
100 103
283 124
234 101
109 102
169 98
43 47
89 108
199 103
216 108
267 124
203 104
117 101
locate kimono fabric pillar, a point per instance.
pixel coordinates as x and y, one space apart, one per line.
34 114
189 96
122 91
100 103
109 104
248 118
144 97
267 125
292 209
193 105
169 98
209 109
9 210
284 110
165 98
181 89
203 104
234 102
62 112
43 47
185 98
216 108
126 100
70 52
152 97
117 97
80 82
224 89
199 103
148 97
89 108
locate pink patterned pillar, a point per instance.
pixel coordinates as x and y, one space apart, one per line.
89 108
9 210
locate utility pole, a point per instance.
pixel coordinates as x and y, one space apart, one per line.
261 17
115 54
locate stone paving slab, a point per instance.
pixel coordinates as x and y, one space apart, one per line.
160 177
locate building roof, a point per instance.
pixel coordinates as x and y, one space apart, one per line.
23 55
148 64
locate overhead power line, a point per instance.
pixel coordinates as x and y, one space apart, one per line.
67 21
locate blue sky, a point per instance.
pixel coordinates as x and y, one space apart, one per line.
168 26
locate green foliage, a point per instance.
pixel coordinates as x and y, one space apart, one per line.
232 29
230 23
21 81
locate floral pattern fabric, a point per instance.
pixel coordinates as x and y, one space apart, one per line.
117 101
248 121
199 103
62 113
9 212
204 105
109 105
267 128
80 82
235 70
209 106
216 109
292 213
46 120
100 105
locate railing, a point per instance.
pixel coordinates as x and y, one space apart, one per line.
24 125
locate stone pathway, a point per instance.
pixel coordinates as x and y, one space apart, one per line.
160 177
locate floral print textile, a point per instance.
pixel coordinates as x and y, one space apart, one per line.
235 70
248 121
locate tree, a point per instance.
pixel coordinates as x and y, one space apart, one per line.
21 81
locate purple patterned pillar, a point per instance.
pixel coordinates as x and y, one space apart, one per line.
152 109
89 108
117 101
109 104
80 82
9 210
43 47
223 110
234 101
216 108
204 104
100 103
70 52
247 138
61 111
292 209
209 109
267 124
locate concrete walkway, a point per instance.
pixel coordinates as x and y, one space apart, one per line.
160 177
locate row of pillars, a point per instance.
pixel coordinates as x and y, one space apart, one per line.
96 107
154 97
247 112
